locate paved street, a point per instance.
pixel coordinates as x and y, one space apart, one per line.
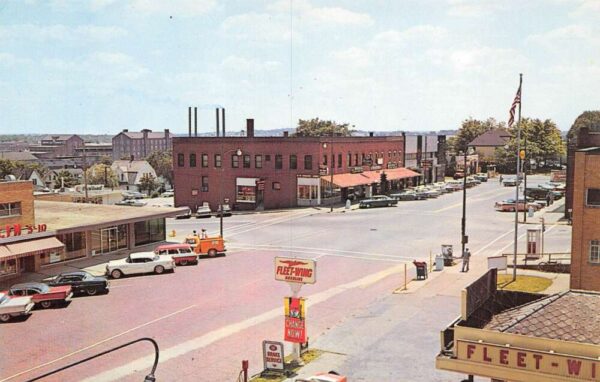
208 318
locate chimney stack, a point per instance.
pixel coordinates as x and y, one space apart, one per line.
217 119
190 121
195 121
223 119
250 128
370 133
285 134
125 130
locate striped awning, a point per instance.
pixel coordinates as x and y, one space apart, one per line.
5 254
34 247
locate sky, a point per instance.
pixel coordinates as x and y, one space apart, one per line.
100 66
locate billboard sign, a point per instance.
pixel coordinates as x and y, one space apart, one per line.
273 355
295 324
295 270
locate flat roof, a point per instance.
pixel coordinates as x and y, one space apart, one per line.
65 216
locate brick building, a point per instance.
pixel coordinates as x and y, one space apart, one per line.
279 172
138 145
55 146
585 245
584 138
16 203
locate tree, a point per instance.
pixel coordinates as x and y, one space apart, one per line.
162 163
589 119
105 159
384 183
471 129
102 174
318 128
7 167
65 178
148 183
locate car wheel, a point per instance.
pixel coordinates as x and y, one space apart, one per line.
116 274
4 317
212 252
159 269
183 262
91 291
46 304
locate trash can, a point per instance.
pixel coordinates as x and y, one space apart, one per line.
439 263
421 269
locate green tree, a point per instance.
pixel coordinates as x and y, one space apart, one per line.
102 174
470 129
318 128
589 119
105 159
7 167
162 163
383 181
65 178
148 183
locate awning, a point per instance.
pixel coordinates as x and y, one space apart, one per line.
369 177
34 247
5 254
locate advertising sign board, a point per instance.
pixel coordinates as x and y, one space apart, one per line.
295 270
295 314
273 355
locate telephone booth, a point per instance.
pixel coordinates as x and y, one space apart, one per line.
533 243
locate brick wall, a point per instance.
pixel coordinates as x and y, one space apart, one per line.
586 227
584 139
19 191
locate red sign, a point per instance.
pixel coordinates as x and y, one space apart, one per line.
295 330
17 230
260 184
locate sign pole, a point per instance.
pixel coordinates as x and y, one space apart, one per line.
295 288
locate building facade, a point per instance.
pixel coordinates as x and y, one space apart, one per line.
585 138
251 173
138 145
422 154
55 146
130 173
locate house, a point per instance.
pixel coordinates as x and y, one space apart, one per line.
130 173
33 175
487 143
53 178
138 145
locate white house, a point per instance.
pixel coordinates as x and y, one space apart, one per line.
130 173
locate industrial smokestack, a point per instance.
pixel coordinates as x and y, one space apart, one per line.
190 121
217 120
195 121
223 119
250 128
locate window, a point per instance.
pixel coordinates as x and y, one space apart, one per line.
217 160
245 194
235 161
267 158
593 197
389 154
192 160
204 160
356 163
10 209
180 160
205 184
325 160
258 161
278 161
595 251
308 162
246 161
149 231
293 162
339 160
349 159
276 186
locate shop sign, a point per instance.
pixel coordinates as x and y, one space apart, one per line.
260 184
356 170
561 365
295 270
375 168
392 165
323 170
18 230
273 355
295 314
427 163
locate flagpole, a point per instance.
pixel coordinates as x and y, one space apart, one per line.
517 181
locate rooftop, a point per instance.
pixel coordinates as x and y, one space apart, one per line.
18 155
496 137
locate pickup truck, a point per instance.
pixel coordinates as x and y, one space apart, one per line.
14 307
41 294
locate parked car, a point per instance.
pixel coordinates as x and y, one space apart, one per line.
14 307
41 294
378 201
481 176
454 185
131 203
81 282
184 215
510 181
537 193
405 195
459 175
331 376
138 263
132 195
508 205
167 194
183 254
203 211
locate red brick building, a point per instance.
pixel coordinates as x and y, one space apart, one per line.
279 172
585 245
584 138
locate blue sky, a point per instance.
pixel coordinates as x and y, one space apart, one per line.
99 66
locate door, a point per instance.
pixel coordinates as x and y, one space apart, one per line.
108 240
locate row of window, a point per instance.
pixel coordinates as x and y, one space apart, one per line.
10 209
246 160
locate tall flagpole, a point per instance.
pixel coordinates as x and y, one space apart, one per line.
517 184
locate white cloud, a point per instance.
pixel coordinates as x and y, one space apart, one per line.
586 8
486 59
416 34
248 65
566 36
323 16
183 8
43 33
356 56
474 8
10 60
260 27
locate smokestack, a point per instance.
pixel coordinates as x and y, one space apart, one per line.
223 119
217 119
285 134
370 133
125 130
195 121
250 128
190 121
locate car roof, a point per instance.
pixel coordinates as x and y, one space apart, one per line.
172 246
74 273
27 285
140 255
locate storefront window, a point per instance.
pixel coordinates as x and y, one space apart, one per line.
110 239
8 267
74 247
307 192
149 231
246 194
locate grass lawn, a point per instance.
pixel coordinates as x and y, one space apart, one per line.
531 284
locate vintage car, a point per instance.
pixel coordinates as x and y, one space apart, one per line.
405 195
183 254
203 211
226 210
14 307
378 201
331 376
131 203
209 246
510 181
432 192
185 214
481 176
454 186
81 282
508 205
138 263
41 294
167 194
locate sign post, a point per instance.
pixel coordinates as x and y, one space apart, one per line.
273 356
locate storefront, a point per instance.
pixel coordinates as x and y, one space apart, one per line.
308 190
18 254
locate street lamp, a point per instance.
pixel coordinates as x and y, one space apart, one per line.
331 176
464 238
238 152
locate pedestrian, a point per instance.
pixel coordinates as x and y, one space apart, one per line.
194 233
204 235
500 178
465 260
548 200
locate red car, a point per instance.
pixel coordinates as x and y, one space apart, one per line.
509 205
182 254
41 294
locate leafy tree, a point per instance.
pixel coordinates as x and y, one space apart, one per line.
589 119
148 183
102 174
65 178
318 128
7 167
162 162
105 159
471 129
384 183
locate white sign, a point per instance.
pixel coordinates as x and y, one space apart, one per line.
273 355
295 270
498 262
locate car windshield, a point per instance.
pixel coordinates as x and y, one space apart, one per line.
3 299
87 276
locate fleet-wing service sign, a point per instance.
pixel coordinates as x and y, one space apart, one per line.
295 270
273 355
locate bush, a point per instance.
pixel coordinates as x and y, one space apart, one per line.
155 194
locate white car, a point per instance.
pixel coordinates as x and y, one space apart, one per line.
138 263
13 307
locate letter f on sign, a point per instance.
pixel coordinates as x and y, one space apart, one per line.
470 350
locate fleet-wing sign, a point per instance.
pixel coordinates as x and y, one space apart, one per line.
295 270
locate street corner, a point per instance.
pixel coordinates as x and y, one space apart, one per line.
326 362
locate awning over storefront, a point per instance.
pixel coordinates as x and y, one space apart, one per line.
5 254
33 247
369 177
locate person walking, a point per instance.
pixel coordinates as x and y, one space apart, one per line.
204 235
500 178
465 260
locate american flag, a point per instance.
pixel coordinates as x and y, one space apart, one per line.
516 102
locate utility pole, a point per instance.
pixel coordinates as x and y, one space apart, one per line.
525 209
517 186
464 205
85 182
332 168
